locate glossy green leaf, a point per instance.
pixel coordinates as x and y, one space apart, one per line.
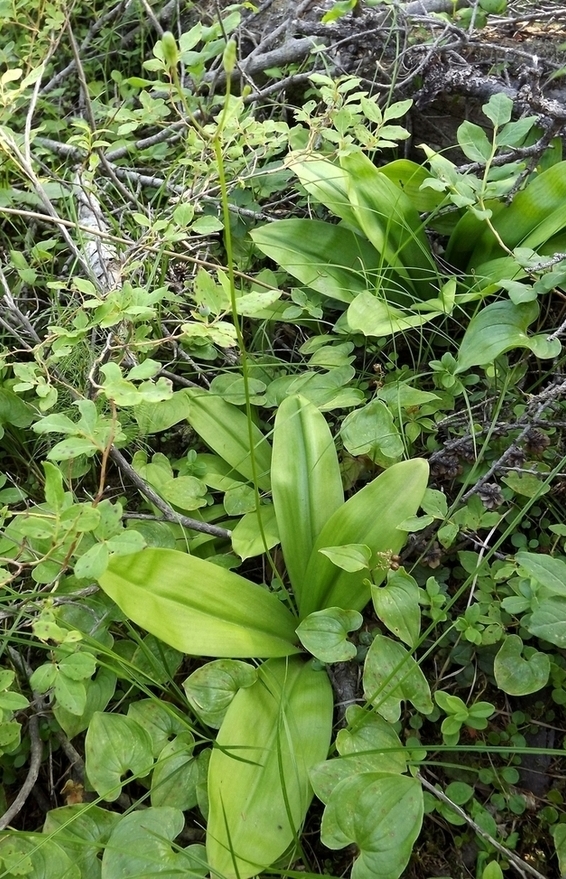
391 223
370 517
259 791
140 847
115 745
516 675
397 606
501 327
324 633
198 607
474 143
330 259
99 691
371 738
371 431
392 676
326 182
211 688
224 428
380 814
306 482
559 836
157 417
175 777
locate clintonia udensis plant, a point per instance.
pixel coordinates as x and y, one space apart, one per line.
275 733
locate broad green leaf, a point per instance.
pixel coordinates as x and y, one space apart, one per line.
397 606
259 791
370 517
211 688
326 390
474 143
247 537
198 607
354 557
409 177
157 417
371 431
224 428
160 719
391 223
115 745
372 739
499 108
391 676
70 694
548 621
380 814
306 482
548 571
534 216
175 776
330 259
324 633
497 328
518 676
184 492
559 836
373 316
140 847
372 746
99 691
32 856
326 182
83 831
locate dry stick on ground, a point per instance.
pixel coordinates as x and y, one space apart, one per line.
36 750
169 513
521 866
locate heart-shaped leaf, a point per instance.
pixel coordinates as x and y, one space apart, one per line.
391 675
382 815
324 633
516 675
211 688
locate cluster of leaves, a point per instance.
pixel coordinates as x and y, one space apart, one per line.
358 406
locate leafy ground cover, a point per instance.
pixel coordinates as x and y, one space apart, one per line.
282 556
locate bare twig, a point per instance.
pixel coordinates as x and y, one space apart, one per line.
169 513
521 866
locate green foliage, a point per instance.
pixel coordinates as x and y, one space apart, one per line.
172 409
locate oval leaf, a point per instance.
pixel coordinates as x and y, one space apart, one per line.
370 517
198 607
115 745
273 733
306 482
